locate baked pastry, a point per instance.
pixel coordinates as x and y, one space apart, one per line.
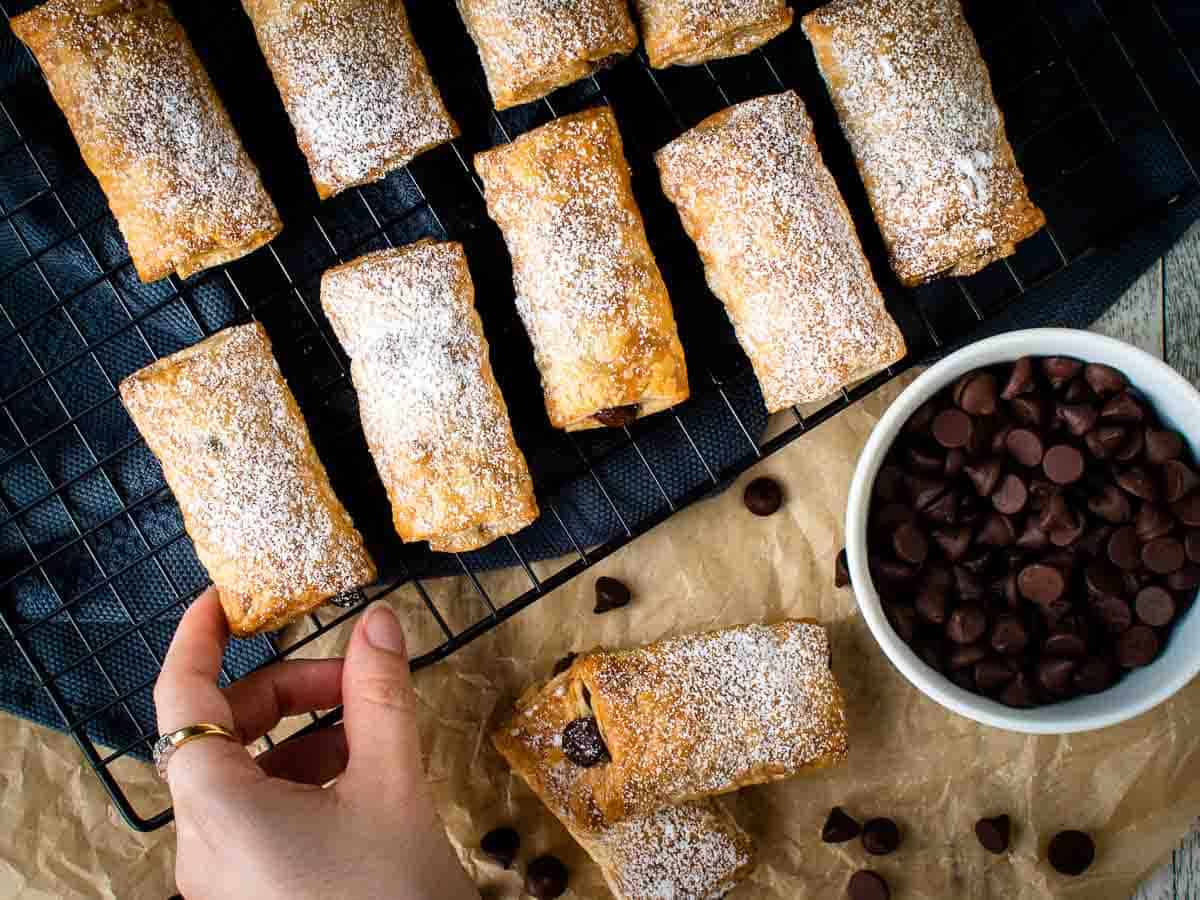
686 33
153 131
780 249
355 86
531 47
431 410
588 288
916 104
693 851
678 720
255 498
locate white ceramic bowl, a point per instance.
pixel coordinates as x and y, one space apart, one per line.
1177 404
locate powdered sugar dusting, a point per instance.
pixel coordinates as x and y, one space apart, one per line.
692 31
780 249
236 453
916 103
152 128
355 85
436 423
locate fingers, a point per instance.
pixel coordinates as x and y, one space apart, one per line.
380 709
316 758
288 688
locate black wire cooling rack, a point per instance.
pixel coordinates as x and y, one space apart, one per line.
95 568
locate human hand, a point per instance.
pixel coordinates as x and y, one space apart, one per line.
266 828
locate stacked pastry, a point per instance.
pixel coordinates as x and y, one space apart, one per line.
628 748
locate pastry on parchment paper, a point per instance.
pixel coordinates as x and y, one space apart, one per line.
531 47
915 101
153 131
355 86
780 249
255 498
689 32
431 410
587 286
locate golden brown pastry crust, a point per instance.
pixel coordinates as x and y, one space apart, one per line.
255 498
355 85
531 47
588 288
683 719
153 131
431 410
689 32
780 249
915 101
692 851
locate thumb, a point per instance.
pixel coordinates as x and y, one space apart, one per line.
380 709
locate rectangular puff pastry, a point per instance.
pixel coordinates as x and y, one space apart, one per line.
431 410
531 47
683 719
693 851
153 131
255 498
355 86
588 288
686 33
916 104
780 249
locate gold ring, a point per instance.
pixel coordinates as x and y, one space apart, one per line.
168 744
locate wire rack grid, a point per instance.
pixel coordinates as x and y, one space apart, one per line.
95 566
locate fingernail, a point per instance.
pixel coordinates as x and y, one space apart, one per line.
384 631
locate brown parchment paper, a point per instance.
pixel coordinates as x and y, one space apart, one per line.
1135 787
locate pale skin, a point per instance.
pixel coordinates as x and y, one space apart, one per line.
266 828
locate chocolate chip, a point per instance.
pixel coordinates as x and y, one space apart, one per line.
925 490
1028 409
1010 495
1111 612
952 428
985 475
1162 445
999 438
975 393
546 878
930 605
891 515
1111 505
1192 544
565 663
583 744
997 531
910 544
763 496
1179 480
1078 391
1009 635
1101 578
1105 441
1094 675
922 417
994 833
1163 555
1135 481
953 542
1187 510
610 594
1041 583
1104 380
893 570
1132 448
966 624
1094 540
1077 418
993 674
1186 579
1137 647
1155 606
1032 537
841 570
946 509
618 416
1152 521
963 656
1071 852
1070 532
839 827
889 484
1025 447
867 885
880 837
1059 370
1124 549
923 459
1018 693
1021 380
1065 644
1124 407
1063 464
903 619
501 845
955 460
1055 513
1056 675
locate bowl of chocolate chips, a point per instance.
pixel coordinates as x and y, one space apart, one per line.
1023 531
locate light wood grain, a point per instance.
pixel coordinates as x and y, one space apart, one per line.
1181 286
1138 316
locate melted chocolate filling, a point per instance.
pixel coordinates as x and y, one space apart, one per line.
618 416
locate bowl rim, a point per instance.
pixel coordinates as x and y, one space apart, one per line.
935 685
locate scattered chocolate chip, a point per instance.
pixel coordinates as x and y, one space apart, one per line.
975 393
893 570
994 833
966 624
1162 445
1032 537
1192 544
841 570
1111 504
1152 521
1187 510
1010 495
924 490
565 663
1155 606
1163 555
1071 852
583 744
997 531
1009 635
763 496
1104 380
610 594
839 827
1105 441
1124 407
1021 380
1185 579
946 509
1135 481
903 619
985 475
922 417
1018 693
1132 448
1111 612
867 885
889 484
1041 583
954 462
1056 675
1137 647
1179 480
1066 644
922 459
880 837
1063 464
993 674
965 656
1025 447
1077 418
892 515
1095 540
1094 675
1059 370
952 428
1124 549
1028 409
501 845
618 416
546 877
910 544
953 541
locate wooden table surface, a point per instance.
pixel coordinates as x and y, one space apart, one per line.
1161 314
